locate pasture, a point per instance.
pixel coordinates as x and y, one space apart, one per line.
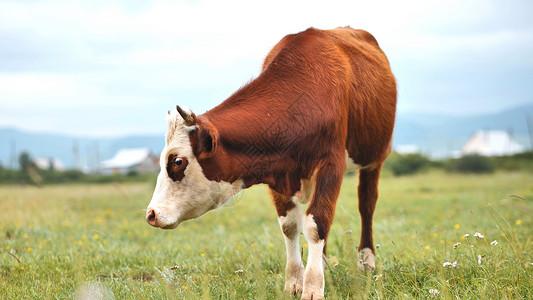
64 241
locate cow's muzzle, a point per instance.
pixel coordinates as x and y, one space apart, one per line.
151 217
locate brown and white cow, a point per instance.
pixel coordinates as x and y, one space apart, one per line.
325 99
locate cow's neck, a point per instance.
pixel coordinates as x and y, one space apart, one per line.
253 145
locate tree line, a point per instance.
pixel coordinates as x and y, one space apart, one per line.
397 164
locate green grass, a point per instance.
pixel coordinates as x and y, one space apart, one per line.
73 238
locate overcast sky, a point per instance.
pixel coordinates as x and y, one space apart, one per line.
106 68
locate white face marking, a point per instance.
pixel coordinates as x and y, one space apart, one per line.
194 195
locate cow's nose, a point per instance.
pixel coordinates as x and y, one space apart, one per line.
151 217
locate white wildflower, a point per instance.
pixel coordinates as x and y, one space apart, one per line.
378 245
494 243
479 260
434 293
456 245
376 277
466 235
479 235
347 231
239 271
448 264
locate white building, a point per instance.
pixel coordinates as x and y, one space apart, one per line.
49 163
139 160
492 143
407 149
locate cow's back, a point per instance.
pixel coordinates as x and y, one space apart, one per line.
357 63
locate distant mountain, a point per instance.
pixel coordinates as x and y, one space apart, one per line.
74 152
437 135
440 135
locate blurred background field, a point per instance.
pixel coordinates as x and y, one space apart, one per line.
60 241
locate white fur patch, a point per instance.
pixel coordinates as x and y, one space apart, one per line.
294 269
366 259
314 271
350 165
307 190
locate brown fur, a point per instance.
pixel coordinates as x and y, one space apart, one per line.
283 203
320 93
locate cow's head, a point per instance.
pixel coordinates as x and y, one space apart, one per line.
182 191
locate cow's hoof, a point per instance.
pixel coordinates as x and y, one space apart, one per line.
366 260
312 295
293 286
294 279
293 289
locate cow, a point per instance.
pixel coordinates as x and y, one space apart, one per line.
324 101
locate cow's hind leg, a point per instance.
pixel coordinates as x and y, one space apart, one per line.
290 221
368 196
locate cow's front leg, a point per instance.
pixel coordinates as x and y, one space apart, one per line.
317 223
290 221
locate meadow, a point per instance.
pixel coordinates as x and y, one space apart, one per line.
440 235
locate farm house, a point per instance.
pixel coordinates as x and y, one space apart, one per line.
49 163
137 160
492 143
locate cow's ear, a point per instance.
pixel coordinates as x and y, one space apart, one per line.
204 140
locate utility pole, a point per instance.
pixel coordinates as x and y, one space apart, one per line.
13 155
530 130
97 154
76 152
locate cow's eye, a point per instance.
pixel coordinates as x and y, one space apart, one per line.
176 167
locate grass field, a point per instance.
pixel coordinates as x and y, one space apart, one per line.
66 241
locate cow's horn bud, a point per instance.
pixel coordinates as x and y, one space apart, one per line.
188 117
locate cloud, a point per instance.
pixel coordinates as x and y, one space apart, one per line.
148 56
28 86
